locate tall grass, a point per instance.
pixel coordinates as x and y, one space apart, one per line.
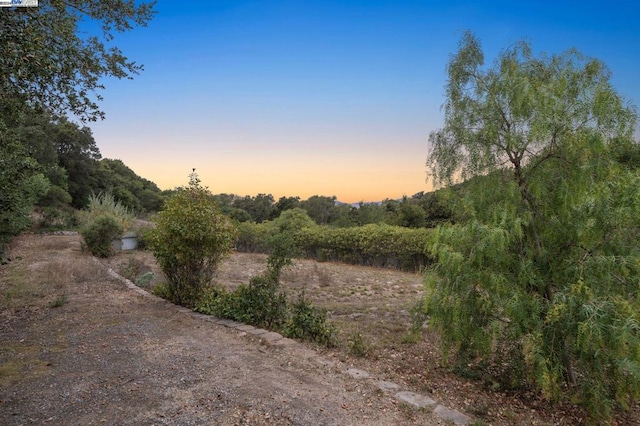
105 203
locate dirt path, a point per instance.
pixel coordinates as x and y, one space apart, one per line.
78 347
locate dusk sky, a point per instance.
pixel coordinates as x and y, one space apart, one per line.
323 97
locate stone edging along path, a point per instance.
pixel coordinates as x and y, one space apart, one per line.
272 338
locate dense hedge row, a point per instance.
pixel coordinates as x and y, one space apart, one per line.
376 245
252 237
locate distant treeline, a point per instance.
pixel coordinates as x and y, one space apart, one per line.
55 164
418 211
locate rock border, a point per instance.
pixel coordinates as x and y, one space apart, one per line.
276 339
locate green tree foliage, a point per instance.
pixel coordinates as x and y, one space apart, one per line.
67 154
321 209
292 221
47 63
435 207
20 185
540 285
408 214
190 239
20 188
283 204
367 213
260 207
130 189
50 67
282 242
78 155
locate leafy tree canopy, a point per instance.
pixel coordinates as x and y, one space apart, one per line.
321 209
130 189
50 67
47 64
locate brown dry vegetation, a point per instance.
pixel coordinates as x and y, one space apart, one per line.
79 345
371 309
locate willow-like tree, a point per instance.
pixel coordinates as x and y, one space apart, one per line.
538 282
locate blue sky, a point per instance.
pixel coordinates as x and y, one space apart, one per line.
322 97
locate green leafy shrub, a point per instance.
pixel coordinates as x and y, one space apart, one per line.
62 217
162 290
377 245
190 239
144 279
292 221
252 237
55 197
133 268
17 167
99 234
309 323
262 304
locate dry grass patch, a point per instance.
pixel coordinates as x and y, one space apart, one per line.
371 309
48 281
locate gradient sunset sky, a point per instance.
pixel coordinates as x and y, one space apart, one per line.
323 97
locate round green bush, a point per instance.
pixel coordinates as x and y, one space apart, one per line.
99 234
190 239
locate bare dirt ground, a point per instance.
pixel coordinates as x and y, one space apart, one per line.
78 347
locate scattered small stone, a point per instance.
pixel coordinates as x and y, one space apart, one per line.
358 374
271 337
388 386
199 315
454 416
257 331
420 401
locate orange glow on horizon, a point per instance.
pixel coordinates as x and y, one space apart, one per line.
350 182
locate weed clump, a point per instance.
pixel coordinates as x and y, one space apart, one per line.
356 345
309 322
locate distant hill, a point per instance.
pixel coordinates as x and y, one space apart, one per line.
132 190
